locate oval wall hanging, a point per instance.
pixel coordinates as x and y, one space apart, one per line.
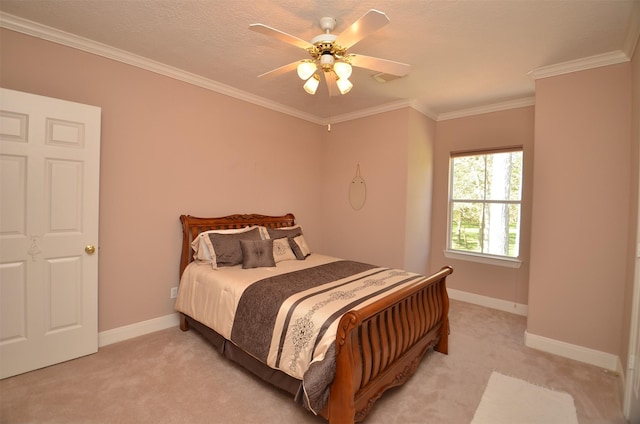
357 191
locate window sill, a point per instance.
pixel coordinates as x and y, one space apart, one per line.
483 259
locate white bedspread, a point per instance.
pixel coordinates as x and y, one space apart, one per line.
211 296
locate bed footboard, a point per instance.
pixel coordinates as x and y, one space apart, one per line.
381 345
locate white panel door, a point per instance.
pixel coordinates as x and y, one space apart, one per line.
49 182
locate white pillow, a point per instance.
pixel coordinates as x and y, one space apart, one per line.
282 250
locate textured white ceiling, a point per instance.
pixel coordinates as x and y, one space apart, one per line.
463 54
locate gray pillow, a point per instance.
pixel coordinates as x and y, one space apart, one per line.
227 246
299 247
257 253
276 233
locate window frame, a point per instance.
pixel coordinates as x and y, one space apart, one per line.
479 257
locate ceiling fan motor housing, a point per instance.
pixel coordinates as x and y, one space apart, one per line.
326 61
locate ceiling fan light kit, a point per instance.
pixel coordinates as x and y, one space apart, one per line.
329 53
342 69
312 84
306 68
344 85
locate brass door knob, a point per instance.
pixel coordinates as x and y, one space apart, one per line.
90 249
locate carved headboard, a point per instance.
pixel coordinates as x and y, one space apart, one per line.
192 226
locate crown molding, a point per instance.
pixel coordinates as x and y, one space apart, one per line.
583 64
387 107
424 109
363 113
44 32
414 104
496 107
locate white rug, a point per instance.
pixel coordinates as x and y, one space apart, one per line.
509 400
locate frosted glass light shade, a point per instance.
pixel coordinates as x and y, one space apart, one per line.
312 84
306 69
344 85
342 69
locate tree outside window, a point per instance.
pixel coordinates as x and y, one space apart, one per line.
485 201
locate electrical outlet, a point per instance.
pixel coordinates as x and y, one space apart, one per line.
174 292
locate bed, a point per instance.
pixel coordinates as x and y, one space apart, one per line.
336 365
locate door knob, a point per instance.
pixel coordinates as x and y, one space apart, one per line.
90 249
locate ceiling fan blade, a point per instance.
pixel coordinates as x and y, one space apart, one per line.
330 79
281 70
282 36
380 65
369 23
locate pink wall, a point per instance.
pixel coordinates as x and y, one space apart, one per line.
497 129
421 144
394 151
581 207
168 148
374 233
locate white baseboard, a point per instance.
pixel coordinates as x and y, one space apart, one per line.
622 385
489 302
600 359
138 329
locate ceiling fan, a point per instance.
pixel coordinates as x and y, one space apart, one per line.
329 54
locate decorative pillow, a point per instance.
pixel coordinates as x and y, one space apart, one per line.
264 234
276 233
282 250
299 247
225 248
201 245
257 253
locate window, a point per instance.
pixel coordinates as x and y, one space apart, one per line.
485 196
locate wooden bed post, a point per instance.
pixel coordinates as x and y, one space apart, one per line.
443 344
184 324
342 407
186 243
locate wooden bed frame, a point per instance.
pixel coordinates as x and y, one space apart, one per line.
378 346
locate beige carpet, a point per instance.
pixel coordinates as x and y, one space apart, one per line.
174 377
509 400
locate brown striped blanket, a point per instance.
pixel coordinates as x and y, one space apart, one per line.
289 321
